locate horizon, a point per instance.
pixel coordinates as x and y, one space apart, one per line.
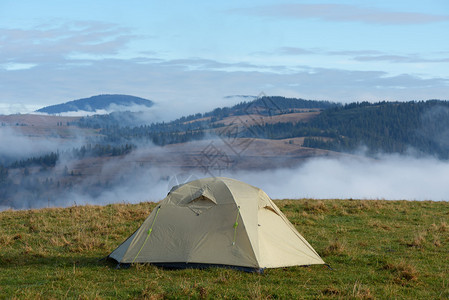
191 57
267 150
142 108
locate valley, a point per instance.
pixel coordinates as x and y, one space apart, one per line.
54 160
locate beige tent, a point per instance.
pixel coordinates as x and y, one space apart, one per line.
217 221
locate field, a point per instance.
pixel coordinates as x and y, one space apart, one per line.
376 248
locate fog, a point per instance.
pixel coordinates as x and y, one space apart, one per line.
145 185
14 145
131 179
160 111
390 177
111 108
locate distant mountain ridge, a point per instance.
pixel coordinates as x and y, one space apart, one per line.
380 127
95 103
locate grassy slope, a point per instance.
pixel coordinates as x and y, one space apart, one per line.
378 249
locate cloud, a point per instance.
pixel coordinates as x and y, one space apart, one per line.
145 174
16 107
354 52
343 13
15 145
400 59
126 187
316 51
51 64
139 114
110 109
130 180
110 181
54 44
296 51
190 88
390 177
359 55
194 64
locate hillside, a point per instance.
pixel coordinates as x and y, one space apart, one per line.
266 107
95 103
49 158
51 180
377 250
388 127
44 127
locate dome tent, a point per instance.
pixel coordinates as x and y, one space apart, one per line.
217 221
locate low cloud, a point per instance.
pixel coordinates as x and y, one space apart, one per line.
110 109
134 115
133 179
121 179
390 177
15 145
127 187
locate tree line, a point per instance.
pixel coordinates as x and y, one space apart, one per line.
117 127
49 160
391 127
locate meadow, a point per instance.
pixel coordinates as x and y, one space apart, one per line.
377 249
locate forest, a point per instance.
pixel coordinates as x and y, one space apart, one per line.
390 127
418 127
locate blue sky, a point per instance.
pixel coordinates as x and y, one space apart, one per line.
188 57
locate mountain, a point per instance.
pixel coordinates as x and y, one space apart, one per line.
382 127
94 103
265 133
268 107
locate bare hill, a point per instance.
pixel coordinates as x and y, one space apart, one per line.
95 103
45 126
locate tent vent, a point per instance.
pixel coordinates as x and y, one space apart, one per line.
271 209
200 204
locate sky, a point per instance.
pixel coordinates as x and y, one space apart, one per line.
188 56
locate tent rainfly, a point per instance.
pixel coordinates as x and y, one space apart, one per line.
217 222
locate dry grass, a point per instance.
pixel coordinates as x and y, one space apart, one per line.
361 291
403 272
315 207
377 249
443 227
418 241
334 248
377 224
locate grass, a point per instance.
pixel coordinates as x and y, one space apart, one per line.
377 249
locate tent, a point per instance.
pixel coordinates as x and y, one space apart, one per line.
220 222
